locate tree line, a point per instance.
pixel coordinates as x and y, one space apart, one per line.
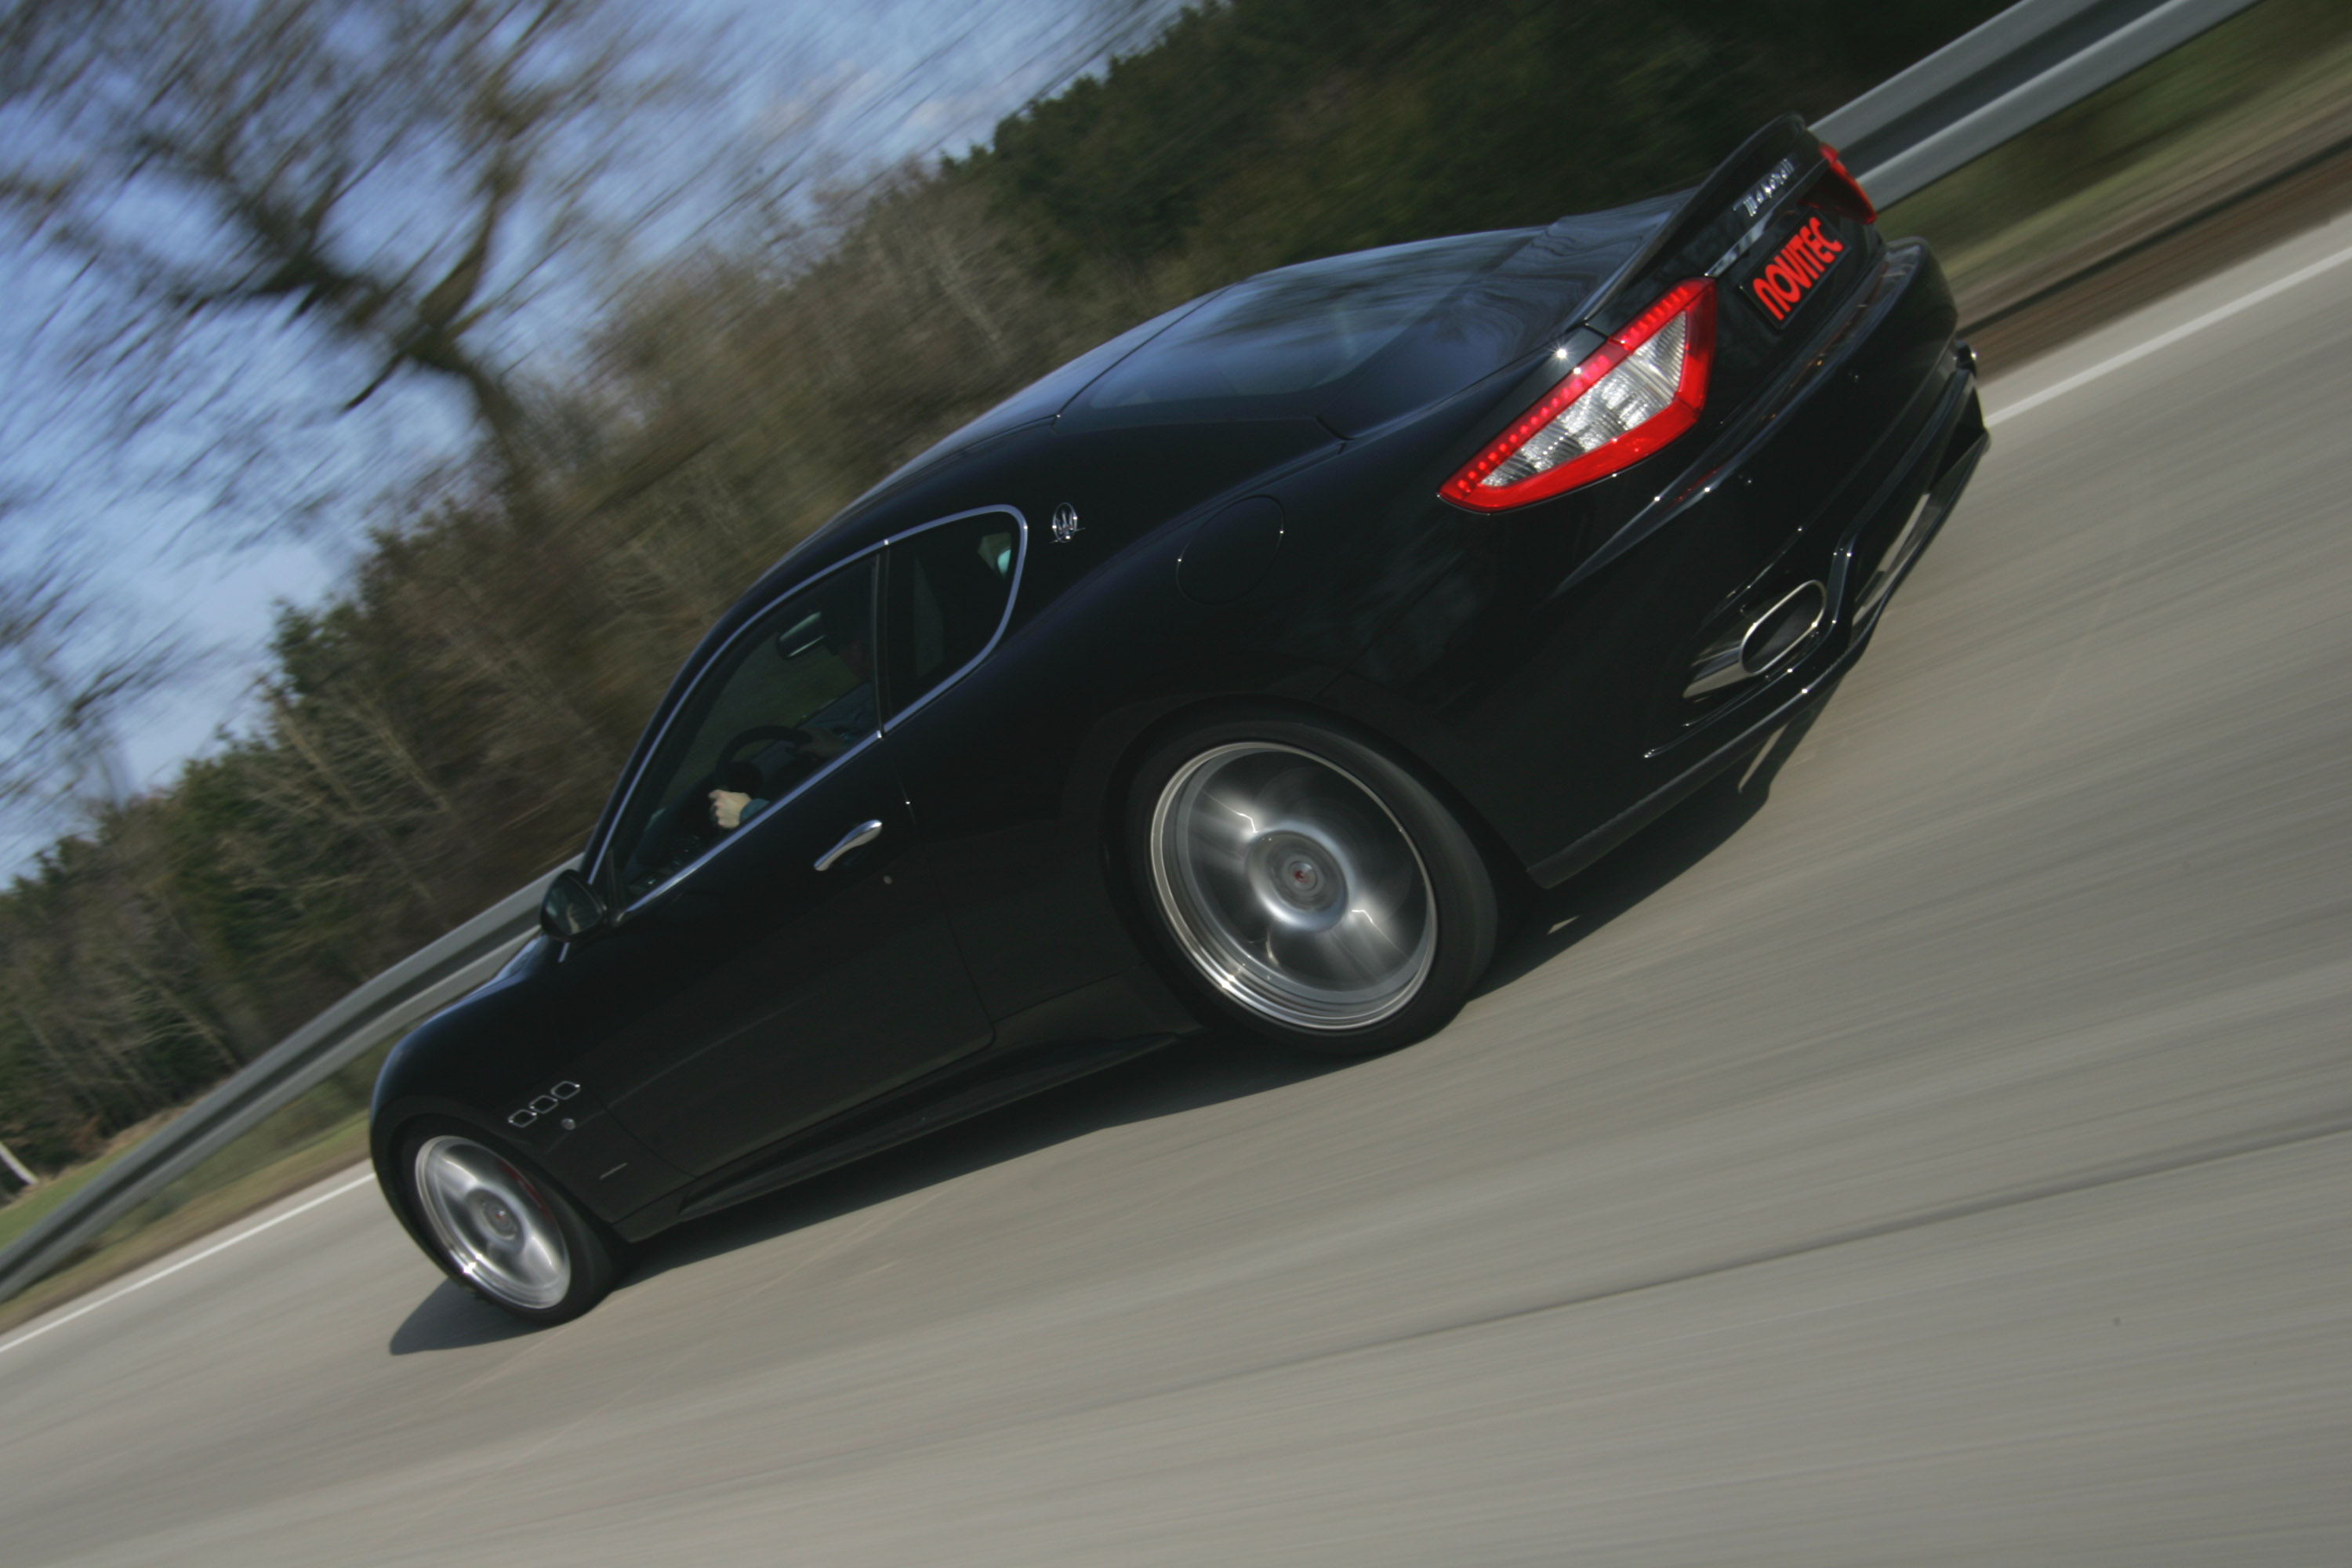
447 725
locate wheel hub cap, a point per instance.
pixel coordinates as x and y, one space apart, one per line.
492 1225
1291 888
1298 881
496 1218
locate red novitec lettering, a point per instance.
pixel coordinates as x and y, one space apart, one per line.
1797 267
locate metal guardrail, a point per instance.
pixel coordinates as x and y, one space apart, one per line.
2014 72
2006 77
392 1003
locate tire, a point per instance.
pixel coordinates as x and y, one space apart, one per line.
500 1227
1304 885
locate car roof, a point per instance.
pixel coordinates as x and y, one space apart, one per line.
1350 341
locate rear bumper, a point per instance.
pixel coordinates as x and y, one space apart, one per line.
1564 674
1871 560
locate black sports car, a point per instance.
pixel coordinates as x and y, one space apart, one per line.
1241 671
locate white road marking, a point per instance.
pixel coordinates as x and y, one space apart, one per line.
2163 341
355 1183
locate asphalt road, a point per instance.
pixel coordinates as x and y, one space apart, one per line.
1938 1152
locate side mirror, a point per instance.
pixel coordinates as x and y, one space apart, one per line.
571 908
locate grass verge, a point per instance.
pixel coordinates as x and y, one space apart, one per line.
29 1206
319 1133
2227 145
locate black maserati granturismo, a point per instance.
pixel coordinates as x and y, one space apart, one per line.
1240 671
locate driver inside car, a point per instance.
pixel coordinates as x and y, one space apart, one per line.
829 730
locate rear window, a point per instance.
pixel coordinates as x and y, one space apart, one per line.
1043 397
1302 330
1356 341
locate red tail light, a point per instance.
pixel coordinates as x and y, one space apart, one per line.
1638 391
1844 176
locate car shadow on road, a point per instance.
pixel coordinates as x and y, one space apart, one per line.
451 1318
1218 1065
1559 918
1198 1070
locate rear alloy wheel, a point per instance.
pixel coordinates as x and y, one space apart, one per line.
1309 888
507 1233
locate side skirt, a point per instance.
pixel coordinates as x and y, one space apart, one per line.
961 1091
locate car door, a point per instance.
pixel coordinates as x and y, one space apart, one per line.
767 975
965 723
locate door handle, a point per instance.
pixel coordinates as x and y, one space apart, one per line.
863 834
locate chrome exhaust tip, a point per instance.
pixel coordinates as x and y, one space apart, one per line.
1769 642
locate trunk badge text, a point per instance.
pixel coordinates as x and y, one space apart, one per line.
1065 523
1765 189
1782 283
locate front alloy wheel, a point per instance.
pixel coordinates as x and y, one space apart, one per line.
513 1237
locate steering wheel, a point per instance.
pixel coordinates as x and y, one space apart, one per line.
761 735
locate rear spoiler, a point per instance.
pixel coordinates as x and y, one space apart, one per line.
1724 215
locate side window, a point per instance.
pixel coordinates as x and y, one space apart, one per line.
794 690
946 593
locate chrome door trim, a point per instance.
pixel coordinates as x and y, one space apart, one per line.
773 813
603 849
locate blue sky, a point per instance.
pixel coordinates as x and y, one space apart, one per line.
865 86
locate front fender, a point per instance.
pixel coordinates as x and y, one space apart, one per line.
501 1062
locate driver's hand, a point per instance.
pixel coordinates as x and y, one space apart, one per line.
727 807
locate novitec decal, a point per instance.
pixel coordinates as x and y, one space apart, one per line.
1780 285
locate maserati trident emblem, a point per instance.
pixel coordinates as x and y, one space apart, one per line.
1065 523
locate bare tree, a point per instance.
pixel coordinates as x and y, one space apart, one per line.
64 683
389 181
